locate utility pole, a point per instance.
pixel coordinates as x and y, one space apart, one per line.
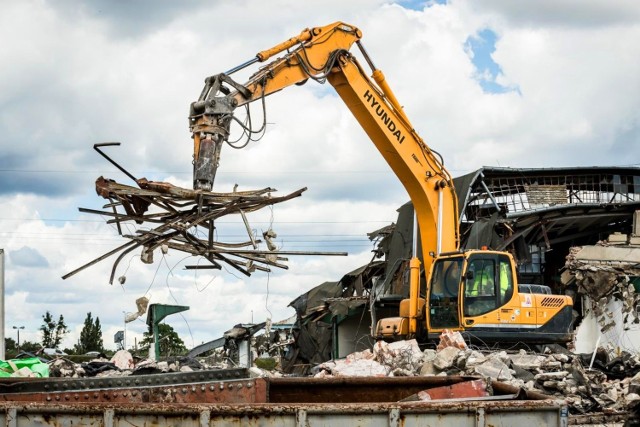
124 344
2 355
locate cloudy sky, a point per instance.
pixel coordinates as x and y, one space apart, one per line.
490 82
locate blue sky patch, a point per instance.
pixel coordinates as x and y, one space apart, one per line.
28 257
419 4
480 47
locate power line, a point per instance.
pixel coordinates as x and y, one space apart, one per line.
226 236
238 172
218 222
300 243
285 238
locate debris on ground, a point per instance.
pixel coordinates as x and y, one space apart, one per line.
561 374
31 367
360 364
589 383
123 360
450 338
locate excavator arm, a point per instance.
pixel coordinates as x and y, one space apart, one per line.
306 56
323 54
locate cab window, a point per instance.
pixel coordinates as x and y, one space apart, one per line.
480 295
506 280
443 296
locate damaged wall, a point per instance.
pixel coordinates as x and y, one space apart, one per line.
606 277
353 333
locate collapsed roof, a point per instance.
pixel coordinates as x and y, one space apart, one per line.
549 205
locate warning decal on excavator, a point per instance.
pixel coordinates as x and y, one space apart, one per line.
527 301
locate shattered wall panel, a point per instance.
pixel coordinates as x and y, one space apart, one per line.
606 279
604 275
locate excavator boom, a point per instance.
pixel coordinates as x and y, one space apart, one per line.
322 54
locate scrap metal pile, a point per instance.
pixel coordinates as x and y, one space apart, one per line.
185 221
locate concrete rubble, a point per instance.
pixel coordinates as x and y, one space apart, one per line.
557 373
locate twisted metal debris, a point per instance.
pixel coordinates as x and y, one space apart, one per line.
184 220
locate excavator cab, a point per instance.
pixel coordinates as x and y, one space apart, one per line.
476 292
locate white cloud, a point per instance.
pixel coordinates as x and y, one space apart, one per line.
586 14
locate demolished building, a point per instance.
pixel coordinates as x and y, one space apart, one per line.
539 215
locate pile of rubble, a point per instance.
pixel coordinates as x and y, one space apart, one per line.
614 386
591 383
123 364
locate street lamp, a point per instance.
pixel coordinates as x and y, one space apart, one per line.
18 329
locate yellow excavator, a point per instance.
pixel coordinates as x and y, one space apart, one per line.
472 291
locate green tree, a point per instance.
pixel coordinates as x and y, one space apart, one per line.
10 345
170 343
29 346
90 336
52 332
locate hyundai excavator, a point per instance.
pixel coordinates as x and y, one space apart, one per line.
471 291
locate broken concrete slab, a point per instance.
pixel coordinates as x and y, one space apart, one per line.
123 360
552 376
400 354
494 368
608 253
428 369
527 361
522 374
474 358
446 357
354 368
632 397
